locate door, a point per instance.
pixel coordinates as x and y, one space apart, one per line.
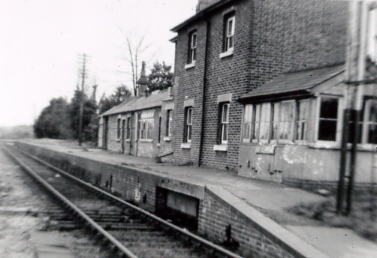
105 130
123 135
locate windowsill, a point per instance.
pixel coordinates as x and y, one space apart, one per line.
220 147
167 139
128 140
227 53
186 145
145 140
336 146
190 66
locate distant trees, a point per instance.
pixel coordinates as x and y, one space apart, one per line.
54 121
89 116
160 77
120 94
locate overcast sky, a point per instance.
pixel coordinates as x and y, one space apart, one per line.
40 41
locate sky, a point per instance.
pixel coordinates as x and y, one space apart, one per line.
41 42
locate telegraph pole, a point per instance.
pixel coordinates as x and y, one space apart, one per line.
83 75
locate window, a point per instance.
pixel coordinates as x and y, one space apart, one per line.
146 125
169 119
275 120
256 120
224 123
118 128
188 125
303 109
286 120
370 122
265 122
128 133
328 118
247 123
229 27
191 57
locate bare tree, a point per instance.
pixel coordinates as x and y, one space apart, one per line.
135 52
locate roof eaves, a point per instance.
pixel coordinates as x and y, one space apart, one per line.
277 96
199 15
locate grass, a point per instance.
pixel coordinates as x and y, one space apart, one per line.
362 219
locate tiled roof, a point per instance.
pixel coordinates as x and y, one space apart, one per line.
139 103
295 81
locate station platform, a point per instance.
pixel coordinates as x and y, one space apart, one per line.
268 200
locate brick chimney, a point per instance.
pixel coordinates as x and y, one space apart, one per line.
202 4
142 83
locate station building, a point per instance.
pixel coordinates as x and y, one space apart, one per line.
258 90
228 49
141 125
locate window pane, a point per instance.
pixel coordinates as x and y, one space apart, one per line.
264 132
327 130
373 112
372 133
329 107
224 132
286 120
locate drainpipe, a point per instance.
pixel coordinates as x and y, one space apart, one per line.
208 25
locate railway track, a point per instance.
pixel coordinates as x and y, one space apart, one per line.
125 229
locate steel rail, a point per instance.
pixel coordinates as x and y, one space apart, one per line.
78 212
218 249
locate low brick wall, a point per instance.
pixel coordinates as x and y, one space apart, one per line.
257 235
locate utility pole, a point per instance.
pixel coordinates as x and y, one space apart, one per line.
355 79
83 75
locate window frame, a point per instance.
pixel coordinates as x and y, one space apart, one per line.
187 124
192 48
145 130
338 124
228 34
224 124
298 122
366 122
248 123
128 128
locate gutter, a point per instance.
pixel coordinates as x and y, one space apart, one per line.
208 27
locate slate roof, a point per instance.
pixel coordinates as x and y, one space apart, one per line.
139 103
295 82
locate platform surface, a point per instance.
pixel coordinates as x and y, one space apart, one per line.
270 198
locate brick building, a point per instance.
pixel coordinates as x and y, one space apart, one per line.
230 47
141 125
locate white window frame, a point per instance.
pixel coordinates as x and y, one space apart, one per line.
366 123
193 44
188 125
128 127
299 123
325 143
249 123
224 123
229 32
146 118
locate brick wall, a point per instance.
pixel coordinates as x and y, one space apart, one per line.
216 216
271 37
